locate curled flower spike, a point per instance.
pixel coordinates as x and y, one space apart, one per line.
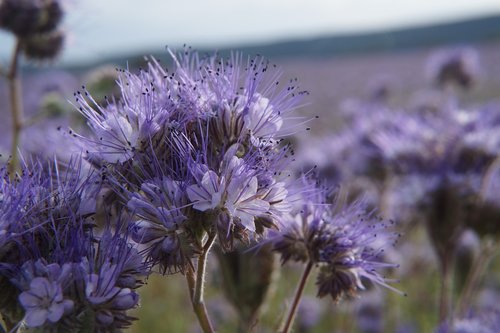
43 47
54 269
345 243
107 278
160 224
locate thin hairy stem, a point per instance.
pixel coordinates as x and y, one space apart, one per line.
16 107
446 287
191 281
296 300
488 251
197 297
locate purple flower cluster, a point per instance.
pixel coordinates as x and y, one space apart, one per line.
448 149
451 156
345 242
56 271
454 66
197 151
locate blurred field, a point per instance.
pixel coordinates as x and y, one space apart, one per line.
332 81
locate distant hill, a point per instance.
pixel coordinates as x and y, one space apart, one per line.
460 32
469 31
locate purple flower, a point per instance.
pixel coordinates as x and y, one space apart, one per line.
160 223
34 208
105 297
346 243
43 302
450 155
234 192
150 105
195 151
458 66
57 267
40 203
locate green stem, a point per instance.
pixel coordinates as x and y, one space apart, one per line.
446 287
197 300
191 281
474 277
296 300
16 107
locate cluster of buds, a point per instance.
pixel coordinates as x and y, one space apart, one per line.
35 23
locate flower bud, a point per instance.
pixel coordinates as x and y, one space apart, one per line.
27 17
42 47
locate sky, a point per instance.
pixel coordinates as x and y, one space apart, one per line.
100 28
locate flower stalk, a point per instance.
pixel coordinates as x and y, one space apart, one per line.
488 251
16 106
296 300
199 285
446 288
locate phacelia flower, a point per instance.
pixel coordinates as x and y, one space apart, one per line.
459 66
235 192
160 223
195 150
55 267
43 302
345 243
109 277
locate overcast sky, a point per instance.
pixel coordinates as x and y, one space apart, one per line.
98 28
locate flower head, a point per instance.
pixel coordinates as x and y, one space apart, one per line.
109 277
345 242
459 66
55 268
195 150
